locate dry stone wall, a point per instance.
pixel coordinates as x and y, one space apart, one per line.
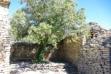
69 52
95 56
23 51
4 37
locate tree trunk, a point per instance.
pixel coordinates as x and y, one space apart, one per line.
41 52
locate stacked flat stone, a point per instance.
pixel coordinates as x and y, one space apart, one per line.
4 37
95 57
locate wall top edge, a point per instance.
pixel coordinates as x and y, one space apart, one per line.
4 2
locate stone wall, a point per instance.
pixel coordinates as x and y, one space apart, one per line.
65 52
22 51
95 55
4 37
69 52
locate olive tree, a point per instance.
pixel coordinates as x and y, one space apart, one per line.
48 22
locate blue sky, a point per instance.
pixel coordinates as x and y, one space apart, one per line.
96 10
15 4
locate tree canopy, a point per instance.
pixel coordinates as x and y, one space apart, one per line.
48 22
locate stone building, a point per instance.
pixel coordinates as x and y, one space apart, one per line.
4 37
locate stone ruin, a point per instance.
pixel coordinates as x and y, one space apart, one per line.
4 37
94 57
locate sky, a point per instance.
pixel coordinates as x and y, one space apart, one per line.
15 4
96 11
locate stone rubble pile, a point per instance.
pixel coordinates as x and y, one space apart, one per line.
48 68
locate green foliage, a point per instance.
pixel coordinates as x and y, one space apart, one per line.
48 22
18 25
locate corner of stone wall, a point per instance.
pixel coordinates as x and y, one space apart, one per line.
4 38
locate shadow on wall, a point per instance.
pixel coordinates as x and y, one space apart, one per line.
23 51
69 52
